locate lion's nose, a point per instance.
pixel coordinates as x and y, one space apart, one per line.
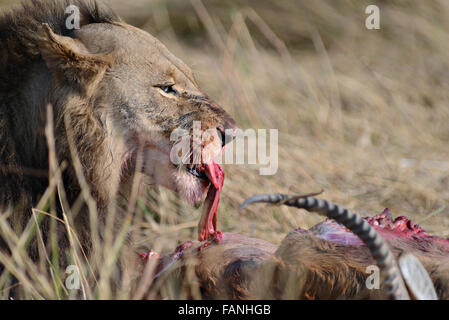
227 131
224 136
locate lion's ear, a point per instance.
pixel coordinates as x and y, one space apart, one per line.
70 58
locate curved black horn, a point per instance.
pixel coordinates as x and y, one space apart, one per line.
378 247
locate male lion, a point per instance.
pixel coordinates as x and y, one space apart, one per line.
116 94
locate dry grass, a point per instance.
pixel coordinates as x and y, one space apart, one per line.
362 114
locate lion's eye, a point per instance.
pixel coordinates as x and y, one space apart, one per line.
169 89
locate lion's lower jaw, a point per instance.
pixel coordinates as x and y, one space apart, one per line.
191 188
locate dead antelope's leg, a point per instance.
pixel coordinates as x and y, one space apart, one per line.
378 247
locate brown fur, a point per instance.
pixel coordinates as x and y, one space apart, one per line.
304 266
104 85
307 267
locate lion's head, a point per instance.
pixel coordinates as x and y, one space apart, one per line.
120 85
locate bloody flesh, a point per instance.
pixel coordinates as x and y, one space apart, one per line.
207 227
400 232
400 229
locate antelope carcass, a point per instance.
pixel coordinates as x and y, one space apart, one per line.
333 260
